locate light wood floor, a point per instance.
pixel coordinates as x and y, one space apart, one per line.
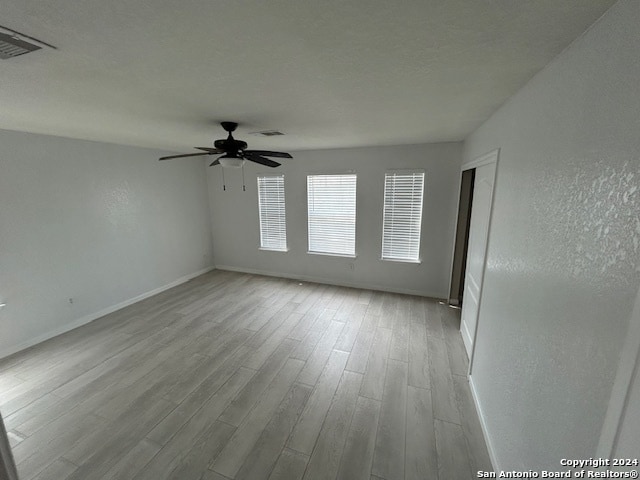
236 376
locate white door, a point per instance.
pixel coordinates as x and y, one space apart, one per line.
476 251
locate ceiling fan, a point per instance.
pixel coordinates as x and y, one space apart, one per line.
234 152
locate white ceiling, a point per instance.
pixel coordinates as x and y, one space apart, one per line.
328 73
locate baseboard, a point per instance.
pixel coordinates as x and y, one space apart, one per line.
101 313
483 425
330 281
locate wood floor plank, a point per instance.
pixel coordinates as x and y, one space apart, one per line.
210 475
375 304
36 452
388 460
28 392
399 347
433 320
58 470
417 311
260 462
453 461
299 332
419 375
358 451
195 460
443 393
364 297
313 336
313 299
373 383
104 448
421 457
389 310
160 380
190 438
318 358
326 456
458 359
360 351
133 461
239 446
306 431
280 307
193 416
188 383
250 394
265 350
350 331
290 466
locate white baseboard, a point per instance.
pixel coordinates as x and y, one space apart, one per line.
483 424
101 313
330 281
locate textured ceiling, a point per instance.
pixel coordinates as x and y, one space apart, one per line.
328 73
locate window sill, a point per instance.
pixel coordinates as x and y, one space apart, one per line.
400 260
273 250
332 254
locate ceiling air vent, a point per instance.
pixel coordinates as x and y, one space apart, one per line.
267 133
10 46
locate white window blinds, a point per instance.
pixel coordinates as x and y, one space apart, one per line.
331 201
273 224
402 217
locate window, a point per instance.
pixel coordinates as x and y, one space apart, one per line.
402 216
273 225
331 201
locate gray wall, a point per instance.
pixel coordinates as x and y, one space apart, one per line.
563 256
95 222
236 231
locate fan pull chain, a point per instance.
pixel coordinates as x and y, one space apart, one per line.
244 189
224 185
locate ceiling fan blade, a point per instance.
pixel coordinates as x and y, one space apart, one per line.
185 155
215 162
210 150
267 153
261 160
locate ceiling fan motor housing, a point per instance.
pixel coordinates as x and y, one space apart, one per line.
230 145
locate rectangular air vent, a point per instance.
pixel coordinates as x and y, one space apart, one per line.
267 133
11 46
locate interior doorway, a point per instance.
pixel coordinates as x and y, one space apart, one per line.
470 250
465 203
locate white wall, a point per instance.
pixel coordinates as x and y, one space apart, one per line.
95 222
563 259
236 231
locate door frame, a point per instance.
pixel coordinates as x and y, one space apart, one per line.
7 464
482 160
628 370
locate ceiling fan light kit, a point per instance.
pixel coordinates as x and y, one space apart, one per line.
234 152
231 162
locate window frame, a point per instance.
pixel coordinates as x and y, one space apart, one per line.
285 248
418 258
355 213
